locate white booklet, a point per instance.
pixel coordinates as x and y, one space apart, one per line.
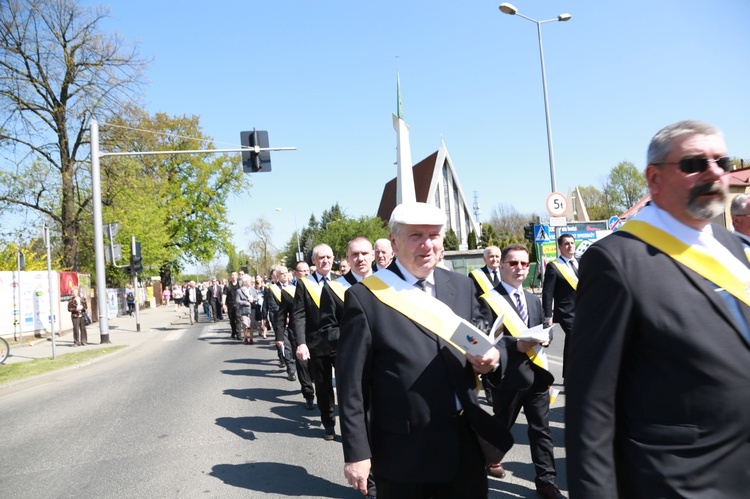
472 340
539 333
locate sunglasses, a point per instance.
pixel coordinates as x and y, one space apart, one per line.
699 165
516 263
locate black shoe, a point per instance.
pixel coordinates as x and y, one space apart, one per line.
550 490
291 377
330 433
309 404
282 364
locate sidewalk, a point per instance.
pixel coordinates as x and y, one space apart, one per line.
122 331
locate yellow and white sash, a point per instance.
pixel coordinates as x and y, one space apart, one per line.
567 273
289 289
481 278
313 288
515 326
729 274
416 305
275 291
339 287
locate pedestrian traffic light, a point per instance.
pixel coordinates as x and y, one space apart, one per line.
528 232
255 160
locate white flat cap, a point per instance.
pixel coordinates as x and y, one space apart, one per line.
417 214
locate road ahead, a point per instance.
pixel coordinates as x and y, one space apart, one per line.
188 413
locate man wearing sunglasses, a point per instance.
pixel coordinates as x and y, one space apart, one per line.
657 397
740 210
524 384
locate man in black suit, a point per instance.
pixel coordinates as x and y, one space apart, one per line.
559 288
487 277
407 398
313 346
284 337
359 256
525 384
214 298
383 251
657 397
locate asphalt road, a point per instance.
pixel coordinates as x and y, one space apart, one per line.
190 413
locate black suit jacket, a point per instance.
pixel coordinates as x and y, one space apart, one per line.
306 324
477 288
331 311
557 291
284 317
406 380
658 381
520 372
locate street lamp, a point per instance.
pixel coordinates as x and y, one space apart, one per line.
296 231
510 9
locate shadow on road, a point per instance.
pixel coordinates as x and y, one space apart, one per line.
265 478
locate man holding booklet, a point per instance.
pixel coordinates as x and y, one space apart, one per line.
407 394
527 377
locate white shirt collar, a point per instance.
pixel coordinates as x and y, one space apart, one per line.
409 277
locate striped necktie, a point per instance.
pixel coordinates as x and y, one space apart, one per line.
521 308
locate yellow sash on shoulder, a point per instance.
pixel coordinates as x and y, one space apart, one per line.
312 287
275 291
514 325
567 274
289 289
699 262
481 278
338 288
416 305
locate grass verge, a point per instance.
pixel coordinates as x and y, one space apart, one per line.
21 370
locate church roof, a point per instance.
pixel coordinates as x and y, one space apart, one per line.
423 173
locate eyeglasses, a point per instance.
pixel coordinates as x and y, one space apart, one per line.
699 165
516 263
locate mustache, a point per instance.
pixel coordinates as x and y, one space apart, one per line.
713 188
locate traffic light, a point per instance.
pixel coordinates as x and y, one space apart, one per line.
136 261
252 161
528 232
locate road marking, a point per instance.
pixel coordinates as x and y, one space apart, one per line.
174 335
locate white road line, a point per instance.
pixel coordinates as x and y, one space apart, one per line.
174 335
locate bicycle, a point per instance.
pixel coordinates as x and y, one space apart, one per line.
4 350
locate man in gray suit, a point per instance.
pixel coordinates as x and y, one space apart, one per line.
658 384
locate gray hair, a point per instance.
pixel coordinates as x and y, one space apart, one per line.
397 226
739 204
661 144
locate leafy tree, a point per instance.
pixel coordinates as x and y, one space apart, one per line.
334 229
595 202
489 236
450 242
58 69
471 240
35 256
262 254
178 201
625 185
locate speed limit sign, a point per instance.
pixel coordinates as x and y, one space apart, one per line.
557 204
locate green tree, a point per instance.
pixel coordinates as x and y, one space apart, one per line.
489 236
179 200
595 202
35 256
58 70
471 240
450 242
625 185
261 252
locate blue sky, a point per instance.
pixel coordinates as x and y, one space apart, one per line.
321 76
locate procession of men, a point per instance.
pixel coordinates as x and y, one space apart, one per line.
656 386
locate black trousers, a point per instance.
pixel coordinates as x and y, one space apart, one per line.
234 320
535 402
321 368
469 483
303 367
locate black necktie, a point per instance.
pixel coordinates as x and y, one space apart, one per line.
324 281
495 280
573 266
421 284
